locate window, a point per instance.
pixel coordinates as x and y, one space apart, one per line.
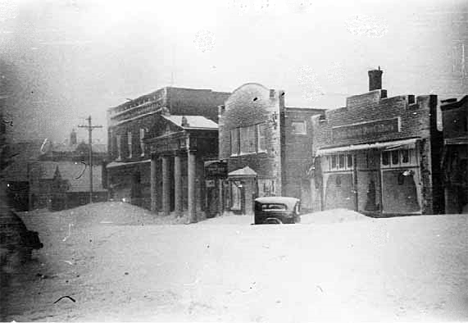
247 140
341 162
142 144
405 158
261 138
395 159
129 142
298 127
333 162
399 158
234 142
385 158
118 138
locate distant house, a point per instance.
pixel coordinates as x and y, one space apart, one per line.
47 187
70 160
62 185
77 176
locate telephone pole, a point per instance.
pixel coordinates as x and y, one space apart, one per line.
90 128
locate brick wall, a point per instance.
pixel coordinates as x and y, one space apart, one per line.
416 117
455 119
298 153
413 118
252 104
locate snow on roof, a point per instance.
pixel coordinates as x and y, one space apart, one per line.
192 122
45 169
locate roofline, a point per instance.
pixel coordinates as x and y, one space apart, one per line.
162 89
306 109
453 105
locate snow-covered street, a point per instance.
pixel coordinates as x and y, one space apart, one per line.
116 263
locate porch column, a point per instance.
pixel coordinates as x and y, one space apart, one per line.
192 203
154 203
177 185
166 193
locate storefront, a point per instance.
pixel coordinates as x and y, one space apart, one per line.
379 155
382 177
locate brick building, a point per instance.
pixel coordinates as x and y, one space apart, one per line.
379 155
158 144
266 146
455 161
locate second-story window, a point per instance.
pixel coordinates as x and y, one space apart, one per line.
118 140
298 128
142 144
261 137
247 140
129 139
235 142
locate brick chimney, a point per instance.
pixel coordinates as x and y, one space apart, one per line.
375 79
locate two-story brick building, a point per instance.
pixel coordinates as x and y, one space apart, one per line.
455 157
379 155
157 146
266 147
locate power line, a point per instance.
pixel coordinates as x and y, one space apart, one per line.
90 128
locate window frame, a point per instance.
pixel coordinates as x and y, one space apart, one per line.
118 139
235 147
304 129
130 144
142 143
259 127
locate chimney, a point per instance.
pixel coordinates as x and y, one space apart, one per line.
375 79
73 137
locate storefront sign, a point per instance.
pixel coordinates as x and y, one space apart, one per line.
366 129
216 169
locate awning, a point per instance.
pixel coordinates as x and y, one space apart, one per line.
389 145
121 164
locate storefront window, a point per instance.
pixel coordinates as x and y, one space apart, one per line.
342 161
350 161
333 161
395 159
405 156
385 158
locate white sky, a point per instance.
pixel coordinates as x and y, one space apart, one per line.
67 59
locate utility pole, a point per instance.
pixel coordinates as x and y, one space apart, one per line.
90 128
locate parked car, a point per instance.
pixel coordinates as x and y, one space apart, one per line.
277 210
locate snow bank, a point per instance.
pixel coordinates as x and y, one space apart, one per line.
396 269
333 216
